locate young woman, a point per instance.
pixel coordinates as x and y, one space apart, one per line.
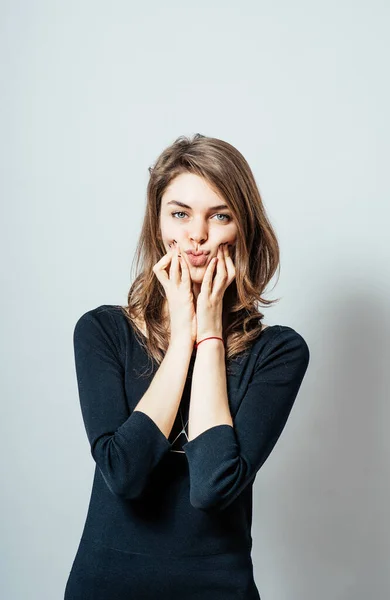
177 447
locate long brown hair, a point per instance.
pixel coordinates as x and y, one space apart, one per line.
255 255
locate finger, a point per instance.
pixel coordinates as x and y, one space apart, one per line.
221 273
159 268
174 274
164 260
207 282
223 252
185 272
230 268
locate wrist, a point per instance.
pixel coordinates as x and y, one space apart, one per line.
185 343
209 340
202 335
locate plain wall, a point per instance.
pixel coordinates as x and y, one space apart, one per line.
91 93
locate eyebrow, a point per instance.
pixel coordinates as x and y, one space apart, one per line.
218 207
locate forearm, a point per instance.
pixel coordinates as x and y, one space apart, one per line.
209 405
162 398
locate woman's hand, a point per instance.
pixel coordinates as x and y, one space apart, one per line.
210 299
178 290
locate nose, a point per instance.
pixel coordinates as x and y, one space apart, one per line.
199 238
198 230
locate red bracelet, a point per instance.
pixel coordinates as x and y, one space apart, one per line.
212 337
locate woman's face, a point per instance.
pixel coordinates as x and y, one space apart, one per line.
193 215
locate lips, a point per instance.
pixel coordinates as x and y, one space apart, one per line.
197 261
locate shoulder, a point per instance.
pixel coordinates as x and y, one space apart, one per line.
282 347
282 334
100 325
105 315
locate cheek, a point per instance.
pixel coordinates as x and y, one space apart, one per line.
168 229
231 243
167 234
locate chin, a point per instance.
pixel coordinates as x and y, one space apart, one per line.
197 273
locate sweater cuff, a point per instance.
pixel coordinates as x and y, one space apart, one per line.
212 443
143 433
212 460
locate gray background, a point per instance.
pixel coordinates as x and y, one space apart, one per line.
91 93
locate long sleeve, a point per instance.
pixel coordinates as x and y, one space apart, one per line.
126 447
223 460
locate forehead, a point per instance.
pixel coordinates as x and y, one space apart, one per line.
192 190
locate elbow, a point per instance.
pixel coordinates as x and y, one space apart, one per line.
124 489
219 493
128 493
200 503
122 478
207 500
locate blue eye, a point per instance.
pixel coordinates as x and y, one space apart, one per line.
222 215
180 212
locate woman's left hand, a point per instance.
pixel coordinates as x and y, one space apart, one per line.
210 298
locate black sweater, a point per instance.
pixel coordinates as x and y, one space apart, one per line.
161 496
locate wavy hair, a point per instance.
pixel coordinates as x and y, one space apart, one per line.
256 254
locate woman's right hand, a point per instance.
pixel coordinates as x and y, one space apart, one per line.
178 291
